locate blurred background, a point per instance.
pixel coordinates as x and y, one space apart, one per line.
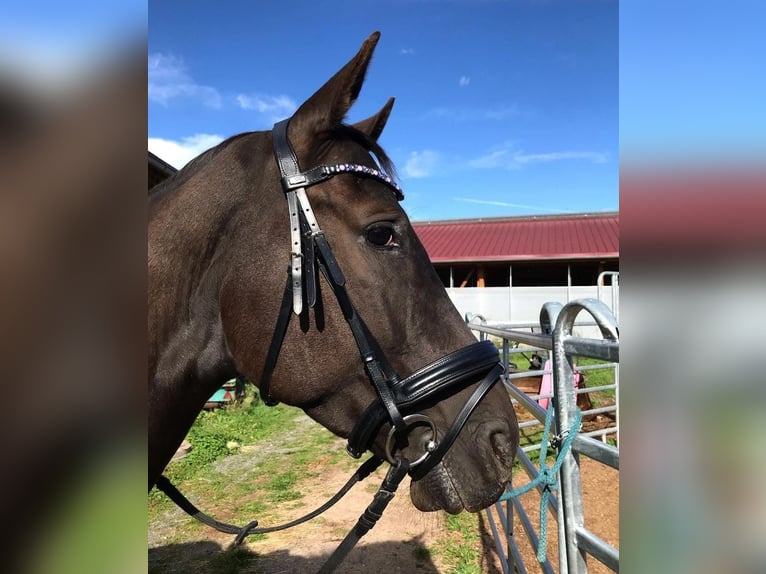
692 182
73 142
72 296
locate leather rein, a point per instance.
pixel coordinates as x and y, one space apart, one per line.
398 400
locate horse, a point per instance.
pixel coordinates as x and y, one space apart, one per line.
305 222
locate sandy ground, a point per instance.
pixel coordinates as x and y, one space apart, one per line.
405 540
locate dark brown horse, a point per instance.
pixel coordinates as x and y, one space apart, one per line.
219 250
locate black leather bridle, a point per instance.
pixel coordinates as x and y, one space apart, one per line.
398 400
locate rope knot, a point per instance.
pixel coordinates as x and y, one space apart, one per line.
547 476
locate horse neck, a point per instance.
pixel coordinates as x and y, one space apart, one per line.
184 242
194 228
188 358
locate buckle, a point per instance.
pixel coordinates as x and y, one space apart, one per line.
293 181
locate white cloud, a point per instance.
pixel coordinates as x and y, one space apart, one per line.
473 114
497 158
510 158
406 52
169 79
275 108
501 113
464 81
179 153
421 163
592 156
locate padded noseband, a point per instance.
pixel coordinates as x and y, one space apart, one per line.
442 378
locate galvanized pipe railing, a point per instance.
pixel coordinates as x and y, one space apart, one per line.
556 324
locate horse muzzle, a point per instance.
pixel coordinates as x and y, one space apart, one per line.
424 388
473 474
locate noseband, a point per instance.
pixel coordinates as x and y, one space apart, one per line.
398 400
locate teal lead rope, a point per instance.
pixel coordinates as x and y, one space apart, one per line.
548 476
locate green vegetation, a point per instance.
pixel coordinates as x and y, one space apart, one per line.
279 487
598 378
422 553
593 378
461 549
223 432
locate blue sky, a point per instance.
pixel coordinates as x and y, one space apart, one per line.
502 107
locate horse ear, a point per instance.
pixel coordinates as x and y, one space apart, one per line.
373 126
330 103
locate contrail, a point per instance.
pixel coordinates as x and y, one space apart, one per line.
506 204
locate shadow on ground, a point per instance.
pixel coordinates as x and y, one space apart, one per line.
212 558
490 562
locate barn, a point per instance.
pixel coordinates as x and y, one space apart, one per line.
159 170
506 268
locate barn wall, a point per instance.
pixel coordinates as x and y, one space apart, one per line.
519 305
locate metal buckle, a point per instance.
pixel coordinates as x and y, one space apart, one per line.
430 447
292 181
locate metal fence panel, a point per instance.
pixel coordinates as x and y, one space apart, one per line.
558 336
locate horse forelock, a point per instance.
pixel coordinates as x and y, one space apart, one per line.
347 132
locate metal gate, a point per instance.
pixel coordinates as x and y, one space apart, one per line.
575 541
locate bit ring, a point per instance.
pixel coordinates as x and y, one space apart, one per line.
432 444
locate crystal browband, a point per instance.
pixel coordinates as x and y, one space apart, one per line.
323 172
363 170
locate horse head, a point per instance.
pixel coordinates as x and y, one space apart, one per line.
220 243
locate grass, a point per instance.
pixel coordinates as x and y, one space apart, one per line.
597 378
422 553
216 438
461 549
219 433
530 436
230 561
279 487
594 378
263 486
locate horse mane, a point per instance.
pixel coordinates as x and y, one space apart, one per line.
344 131
341 131
193 167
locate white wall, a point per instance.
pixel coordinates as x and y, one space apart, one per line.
522 304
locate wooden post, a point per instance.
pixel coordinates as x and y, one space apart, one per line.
480 277
467 278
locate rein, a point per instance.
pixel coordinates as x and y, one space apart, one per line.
398 400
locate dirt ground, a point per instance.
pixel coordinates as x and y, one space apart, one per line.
405 540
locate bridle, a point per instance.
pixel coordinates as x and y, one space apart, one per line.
398 400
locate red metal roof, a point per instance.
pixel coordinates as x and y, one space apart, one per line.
576 236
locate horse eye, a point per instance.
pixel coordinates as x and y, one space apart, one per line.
381 236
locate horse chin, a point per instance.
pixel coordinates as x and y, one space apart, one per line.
440 489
